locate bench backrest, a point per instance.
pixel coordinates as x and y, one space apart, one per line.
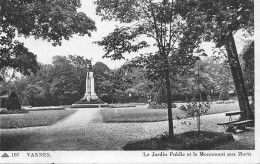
233 113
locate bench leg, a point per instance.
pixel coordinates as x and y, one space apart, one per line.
231 129
241 127
224 128
230 118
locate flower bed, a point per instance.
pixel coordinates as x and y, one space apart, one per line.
89 105
44 108
225 102
121 105
5 111
84 101
154 105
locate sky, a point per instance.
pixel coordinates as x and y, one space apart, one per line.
83 45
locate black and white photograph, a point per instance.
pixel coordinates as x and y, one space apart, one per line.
129 81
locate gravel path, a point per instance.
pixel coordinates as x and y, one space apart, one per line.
80 118
84 130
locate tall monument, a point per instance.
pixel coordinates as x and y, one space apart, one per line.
90 88
90 99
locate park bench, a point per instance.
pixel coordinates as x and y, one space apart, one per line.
232 126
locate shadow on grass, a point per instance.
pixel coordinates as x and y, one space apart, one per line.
184 141
12 141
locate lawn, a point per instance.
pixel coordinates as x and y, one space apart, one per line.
33 118
143 114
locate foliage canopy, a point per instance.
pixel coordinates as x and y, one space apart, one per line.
51 20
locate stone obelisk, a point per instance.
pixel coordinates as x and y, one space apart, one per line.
90 88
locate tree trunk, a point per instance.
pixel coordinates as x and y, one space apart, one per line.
237 77
169 102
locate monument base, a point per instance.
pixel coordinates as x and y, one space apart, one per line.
89 102
89 98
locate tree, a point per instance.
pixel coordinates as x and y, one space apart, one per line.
69 74
160 23
220 73
247 56
62 82
16 59
221 20
161 96
25 102
215 74
142 87
224 95
80 66
36 94
101 75
51 20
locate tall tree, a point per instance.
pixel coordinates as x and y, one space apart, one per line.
69 74
157 21
51 20
221 20
101 75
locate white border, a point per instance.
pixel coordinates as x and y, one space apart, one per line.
138 157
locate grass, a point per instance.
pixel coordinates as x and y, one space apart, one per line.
184 141
33 118
245 141
143 114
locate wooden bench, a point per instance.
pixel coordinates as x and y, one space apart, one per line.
230 114
232 126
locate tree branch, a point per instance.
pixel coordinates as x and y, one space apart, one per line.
156 30
170 32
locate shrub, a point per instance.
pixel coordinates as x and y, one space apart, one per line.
44 108
193 99
209 98
196 110
25 102
225 102
121 105
3 101
154 105
13 111
85 101
89 105
161 96
224 95
13 102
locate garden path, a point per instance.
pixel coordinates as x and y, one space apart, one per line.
84 130
80 118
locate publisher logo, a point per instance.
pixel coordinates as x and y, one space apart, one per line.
5 155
